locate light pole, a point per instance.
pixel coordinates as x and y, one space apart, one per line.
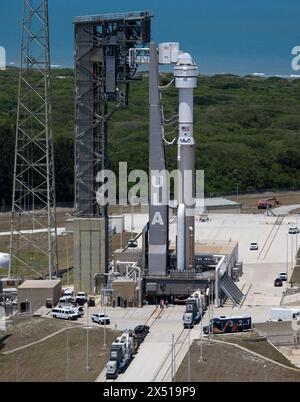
209 312
201 336
132 220
296 239
237 191
67 358
88 369
172 359
212 310
104 342
18 369
292 254
266 377
66 234
287 255
189 354
68 265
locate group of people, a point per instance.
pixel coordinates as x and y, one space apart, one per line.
163 304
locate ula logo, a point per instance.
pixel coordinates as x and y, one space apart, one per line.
296 59
2 59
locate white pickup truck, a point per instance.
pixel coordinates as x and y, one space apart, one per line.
101 319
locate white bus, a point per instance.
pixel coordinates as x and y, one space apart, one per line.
284 314
64 314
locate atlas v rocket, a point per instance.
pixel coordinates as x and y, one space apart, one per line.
185 73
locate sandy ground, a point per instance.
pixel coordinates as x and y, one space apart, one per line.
224 363
53 360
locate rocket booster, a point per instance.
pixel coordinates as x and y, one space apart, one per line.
186 73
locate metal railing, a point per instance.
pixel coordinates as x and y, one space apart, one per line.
113 17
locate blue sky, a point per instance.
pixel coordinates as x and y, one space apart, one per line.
237 36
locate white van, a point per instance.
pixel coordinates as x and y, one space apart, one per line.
64 314
284 314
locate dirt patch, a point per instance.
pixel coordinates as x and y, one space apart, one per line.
62 215
295 279
22 331
226 363
52 361
249 201
256 344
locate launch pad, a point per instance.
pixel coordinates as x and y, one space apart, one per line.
109 52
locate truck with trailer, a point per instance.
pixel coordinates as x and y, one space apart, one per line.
225 325
123 349
121 354
195 307
284 314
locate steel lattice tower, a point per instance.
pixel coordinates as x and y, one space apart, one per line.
33 246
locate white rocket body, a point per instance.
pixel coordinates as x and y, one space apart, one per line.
186 73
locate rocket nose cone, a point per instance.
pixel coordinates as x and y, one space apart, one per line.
186 59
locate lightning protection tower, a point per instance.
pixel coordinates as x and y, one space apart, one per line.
33 245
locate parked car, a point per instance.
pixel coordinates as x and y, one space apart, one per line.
294 230
283 276
68 294
253 246
49 303
64 301
101 319
278 283
81 298
64 314
92 302
203 218
132 243
80 311
141 332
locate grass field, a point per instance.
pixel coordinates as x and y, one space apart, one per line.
52 360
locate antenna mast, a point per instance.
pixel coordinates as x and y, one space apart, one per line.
33 244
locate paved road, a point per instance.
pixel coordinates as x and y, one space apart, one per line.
59 231
155 350
276 254
286 210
